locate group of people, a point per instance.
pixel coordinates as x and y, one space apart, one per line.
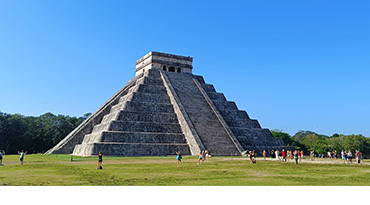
347 156
285 155
203 155
21 153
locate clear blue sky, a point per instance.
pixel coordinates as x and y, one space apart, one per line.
293 65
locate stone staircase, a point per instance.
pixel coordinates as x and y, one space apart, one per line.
212 134
143 123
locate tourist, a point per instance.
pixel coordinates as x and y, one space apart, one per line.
302 156
296 156
100 161
1 157
349 156
329 154
179 157
312 155
22 153
272 154
345 159
288 154
264 154
204 155
200 159
250 157
283 154
358 157
342 155
207 154
277 154
254 156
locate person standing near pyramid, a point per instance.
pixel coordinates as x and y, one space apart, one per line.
100 161
179 157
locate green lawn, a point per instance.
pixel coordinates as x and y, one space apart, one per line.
162 171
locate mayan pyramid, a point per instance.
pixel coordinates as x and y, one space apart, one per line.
164 109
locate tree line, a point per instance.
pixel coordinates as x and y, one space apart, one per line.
34 134
308 140
39 134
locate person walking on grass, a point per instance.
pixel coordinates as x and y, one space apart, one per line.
283 154
288 153
179 157
302 156
357 156
200 159
296 156
312 155
100 161
22 153
1 157
349 156
264 154
345 157
272 154
277 154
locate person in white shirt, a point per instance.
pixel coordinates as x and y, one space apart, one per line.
22 156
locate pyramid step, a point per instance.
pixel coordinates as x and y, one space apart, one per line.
152 89
145 127
243 123
132 149
158 117
216 96
117 108
100 127
225 105
143 137
200 79
149 80
209 88
149 107
150 97
252 132
229 115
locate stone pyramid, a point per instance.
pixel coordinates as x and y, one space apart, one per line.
165 109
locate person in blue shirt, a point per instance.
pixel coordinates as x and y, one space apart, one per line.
179 157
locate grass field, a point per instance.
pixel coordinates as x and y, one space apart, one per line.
50 170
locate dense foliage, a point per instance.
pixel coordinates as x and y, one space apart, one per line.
307 140
34 134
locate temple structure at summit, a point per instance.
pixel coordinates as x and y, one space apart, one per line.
165 108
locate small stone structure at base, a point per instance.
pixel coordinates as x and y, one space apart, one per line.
165 109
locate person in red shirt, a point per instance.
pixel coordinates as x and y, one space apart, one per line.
264 154
283 154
